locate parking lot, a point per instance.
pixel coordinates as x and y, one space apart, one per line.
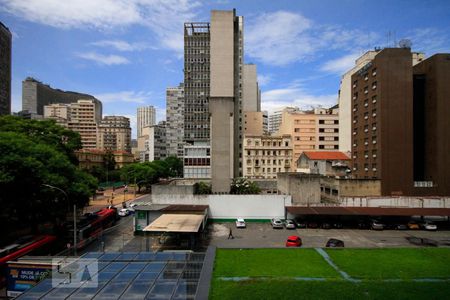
262 235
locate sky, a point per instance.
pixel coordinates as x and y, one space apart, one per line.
127 52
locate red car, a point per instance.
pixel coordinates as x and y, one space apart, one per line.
294 241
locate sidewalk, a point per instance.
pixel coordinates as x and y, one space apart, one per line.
111 198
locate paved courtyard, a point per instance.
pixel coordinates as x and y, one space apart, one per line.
262 235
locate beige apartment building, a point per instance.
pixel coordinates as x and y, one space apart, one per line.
114 133
81 117
313 130
59 112
265 156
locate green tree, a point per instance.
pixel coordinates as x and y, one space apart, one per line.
175 166
34 155
202 188
109 162
244 186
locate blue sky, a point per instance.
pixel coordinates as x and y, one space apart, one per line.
126 52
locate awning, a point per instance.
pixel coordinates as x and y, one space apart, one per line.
367 211
189 223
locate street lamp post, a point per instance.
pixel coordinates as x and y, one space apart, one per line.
135 186
74 216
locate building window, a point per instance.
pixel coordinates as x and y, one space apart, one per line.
374 85
321 121
321 147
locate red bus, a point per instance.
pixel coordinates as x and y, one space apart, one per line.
92 225
23 246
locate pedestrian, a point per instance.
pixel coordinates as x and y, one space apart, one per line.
230 235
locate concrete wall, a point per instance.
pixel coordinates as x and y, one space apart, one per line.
172 189
305 189
222 139
250 88
357 188
233 206
222 53
253 123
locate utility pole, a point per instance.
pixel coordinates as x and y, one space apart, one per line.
75 229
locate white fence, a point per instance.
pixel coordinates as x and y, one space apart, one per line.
233 206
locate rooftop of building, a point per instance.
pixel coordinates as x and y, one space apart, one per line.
82 95
326 155
4 27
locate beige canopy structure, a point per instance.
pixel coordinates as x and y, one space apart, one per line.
182 223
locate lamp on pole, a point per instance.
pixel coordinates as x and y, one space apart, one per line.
74 215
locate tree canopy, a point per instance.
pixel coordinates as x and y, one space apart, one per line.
147 173
36 154
244 186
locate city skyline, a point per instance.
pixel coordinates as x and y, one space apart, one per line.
127 60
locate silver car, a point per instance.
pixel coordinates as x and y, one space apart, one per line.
276 223
289 224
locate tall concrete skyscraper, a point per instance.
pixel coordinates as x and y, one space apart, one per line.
213 72
146 116
175 120
35 95
5 70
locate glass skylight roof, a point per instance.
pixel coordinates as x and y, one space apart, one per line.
132 275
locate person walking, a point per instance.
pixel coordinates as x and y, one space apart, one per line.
230 235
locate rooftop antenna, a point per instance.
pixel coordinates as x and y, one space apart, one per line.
405 43
395 38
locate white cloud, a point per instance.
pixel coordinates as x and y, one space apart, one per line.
429 40
164 17
340 65
123 45
294 95
125 96
282 37
102 59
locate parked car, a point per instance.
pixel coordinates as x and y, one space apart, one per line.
400 227
377 225
326 225
413 226
289 224
334 243
123 212
313 225
300 223
338 225
131 207
276 223
293 241
363 225
430 226
240 223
